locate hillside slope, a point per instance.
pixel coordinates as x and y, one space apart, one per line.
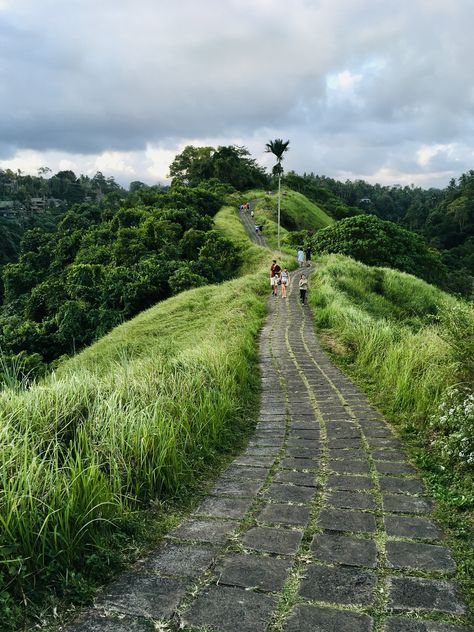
297 211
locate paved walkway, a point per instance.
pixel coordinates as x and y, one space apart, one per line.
249 224
320 525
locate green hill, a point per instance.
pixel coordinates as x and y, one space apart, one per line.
297 211
143 417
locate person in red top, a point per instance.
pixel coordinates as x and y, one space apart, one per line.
274 277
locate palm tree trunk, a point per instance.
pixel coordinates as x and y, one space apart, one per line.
279 189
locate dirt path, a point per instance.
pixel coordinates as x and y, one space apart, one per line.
320 525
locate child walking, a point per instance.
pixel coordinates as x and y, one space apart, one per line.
285 281
303 285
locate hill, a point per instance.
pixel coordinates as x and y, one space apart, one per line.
137 418
297 211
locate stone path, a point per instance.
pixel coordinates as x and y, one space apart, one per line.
320 525
249 224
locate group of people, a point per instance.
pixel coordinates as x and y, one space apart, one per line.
300 257
281 278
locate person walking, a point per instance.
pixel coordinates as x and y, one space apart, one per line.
285 282
300 257
303 285
274 277
308 253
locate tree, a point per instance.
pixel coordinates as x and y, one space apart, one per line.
278 147
377 242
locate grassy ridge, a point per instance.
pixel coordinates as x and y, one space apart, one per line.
408 344
131 419
297 212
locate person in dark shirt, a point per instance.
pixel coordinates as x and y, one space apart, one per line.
274 277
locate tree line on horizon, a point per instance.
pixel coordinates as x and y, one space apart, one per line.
71 273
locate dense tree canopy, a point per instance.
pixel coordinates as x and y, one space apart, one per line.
229 165
380 243
107 261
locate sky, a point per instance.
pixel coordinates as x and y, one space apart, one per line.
371 89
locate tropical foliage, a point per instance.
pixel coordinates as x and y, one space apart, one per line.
105 262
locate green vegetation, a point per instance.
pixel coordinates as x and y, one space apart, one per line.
443 217
380 243
230 166
105 263
410 346
133 418
297 212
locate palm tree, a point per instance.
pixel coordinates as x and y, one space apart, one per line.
277 147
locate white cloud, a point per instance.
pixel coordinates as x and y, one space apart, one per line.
356 86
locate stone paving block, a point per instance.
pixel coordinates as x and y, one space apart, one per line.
351 500
375 429
418 593
351 467
389 455
299 464
184 560
338 585
344 431
406 504
266 440
224 507
399 624
338 549
341 520
307 479
254 473
348 455
230 609
277 513
384 442
95 623
350 482
262 451
411 527
304 424
401 485
385 467
314 619
307 444
243 488
422 557
253 571
272 540
213 531
303 435
254 461
302 453
343 444
290 493
273 428
145 596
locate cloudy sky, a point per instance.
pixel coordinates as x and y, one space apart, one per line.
380 90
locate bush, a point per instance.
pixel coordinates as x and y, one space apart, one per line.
380 243
453 425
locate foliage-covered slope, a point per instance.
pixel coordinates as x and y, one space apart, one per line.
410 342
106 262
297 211
133 418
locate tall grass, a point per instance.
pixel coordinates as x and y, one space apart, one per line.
390 326
411 347
133 418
